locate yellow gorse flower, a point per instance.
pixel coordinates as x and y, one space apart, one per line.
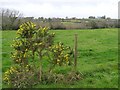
58 60
8 73
25 55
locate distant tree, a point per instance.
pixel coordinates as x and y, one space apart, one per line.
66 17
91 17
41 18
93 24
49 19
56 24
108 18
103 17
102 24
74 18
10 19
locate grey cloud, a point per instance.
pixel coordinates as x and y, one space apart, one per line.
59 7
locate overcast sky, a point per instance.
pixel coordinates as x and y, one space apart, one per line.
63 8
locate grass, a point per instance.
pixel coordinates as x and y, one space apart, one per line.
97 56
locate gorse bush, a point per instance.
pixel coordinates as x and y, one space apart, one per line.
20 77
30 46
29 41
59 54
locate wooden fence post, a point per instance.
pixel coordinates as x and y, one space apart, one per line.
75 52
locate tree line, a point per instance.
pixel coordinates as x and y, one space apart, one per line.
12 19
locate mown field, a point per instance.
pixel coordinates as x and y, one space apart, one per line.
97 56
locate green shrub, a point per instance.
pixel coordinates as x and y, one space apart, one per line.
29 43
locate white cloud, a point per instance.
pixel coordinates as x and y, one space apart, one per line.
62 8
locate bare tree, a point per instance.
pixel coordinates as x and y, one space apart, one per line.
10 19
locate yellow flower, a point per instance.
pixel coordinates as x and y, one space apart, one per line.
36 44
27 65
27 70
49 47
67 62
7 72
26 49
66 58
20 26
40 43
57 46
5 78
33 25
58 60
61 53
54 50
53 33
24 55
66 55
68 47
11 71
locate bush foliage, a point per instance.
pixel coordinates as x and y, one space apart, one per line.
32 45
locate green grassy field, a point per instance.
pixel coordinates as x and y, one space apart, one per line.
97 56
